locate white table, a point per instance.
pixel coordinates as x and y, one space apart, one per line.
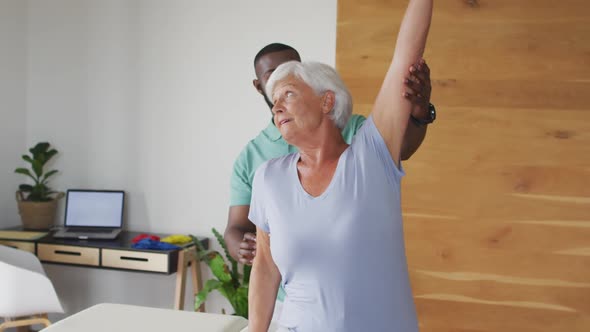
127 318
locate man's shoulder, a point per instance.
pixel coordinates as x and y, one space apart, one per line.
255 147
355 122
242 159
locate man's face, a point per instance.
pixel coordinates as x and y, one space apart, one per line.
266 65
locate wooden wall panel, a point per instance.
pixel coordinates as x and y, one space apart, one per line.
496 202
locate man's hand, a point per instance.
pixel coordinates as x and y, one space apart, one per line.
240 235
418 89
247 249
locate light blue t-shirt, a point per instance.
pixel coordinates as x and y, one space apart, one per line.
267 145
341 255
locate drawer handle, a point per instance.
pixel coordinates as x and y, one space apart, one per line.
71 253
134 259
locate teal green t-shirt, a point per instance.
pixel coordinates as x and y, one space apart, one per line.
269 144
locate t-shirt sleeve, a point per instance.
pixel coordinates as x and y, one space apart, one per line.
240 185
257 213
369 143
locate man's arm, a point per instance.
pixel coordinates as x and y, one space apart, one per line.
264 285
392 110
239 234
412 140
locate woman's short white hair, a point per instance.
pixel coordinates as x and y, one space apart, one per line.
321 78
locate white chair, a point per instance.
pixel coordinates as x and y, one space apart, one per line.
27 295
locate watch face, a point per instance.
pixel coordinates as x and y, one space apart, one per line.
423 122
432 112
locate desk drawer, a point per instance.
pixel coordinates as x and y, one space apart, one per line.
68 254
25 246
135 260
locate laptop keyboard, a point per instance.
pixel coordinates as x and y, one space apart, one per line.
89 230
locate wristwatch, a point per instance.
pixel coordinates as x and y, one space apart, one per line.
429 120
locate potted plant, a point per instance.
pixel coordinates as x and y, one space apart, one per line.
228 281
37 203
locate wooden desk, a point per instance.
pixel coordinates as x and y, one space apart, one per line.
115 254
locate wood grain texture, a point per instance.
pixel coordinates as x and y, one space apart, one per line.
496 202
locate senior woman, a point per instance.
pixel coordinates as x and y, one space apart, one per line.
312 206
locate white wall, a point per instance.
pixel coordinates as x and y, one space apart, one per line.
13 103
154 97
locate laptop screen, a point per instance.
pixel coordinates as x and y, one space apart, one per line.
94 208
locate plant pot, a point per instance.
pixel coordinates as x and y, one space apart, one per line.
37 215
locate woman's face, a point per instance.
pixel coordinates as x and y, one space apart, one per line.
297 109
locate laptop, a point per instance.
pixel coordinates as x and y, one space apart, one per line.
92 215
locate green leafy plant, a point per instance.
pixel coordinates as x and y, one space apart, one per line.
39 191
228 280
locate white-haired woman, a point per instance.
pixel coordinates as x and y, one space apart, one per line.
329 196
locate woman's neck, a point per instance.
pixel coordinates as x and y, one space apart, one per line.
325 147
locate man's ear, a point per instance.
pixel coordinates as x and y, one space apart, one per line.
328 101
258 86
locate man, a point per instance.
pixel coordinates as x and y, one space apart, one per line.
239 233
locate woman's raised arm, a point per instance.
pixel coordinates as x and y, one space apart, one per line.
391 110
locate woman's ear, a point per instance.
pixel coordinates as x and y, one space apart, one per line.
328 101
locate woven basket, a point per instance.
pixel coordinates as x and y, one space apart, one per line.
37 215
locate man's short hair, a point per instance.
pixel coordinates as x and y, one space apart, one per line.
271 48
